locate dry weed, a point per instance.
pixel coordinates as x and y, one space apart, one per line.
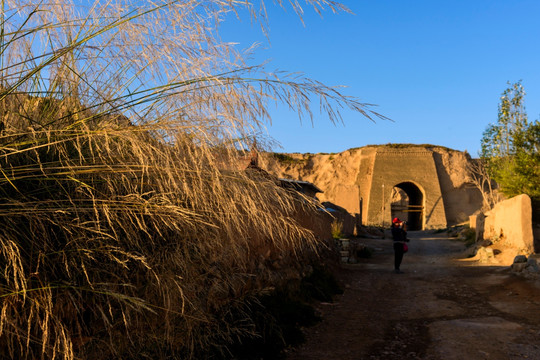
127 227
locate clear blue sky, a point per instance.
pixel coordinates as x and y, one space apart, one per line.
437 68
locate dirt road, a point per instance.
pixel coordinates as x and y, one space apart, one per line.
442 307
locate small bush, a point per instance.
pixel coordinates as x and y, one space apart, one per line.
337 229
469 236
286 159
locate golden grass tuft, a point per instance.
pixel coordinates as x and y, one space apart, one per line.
127 227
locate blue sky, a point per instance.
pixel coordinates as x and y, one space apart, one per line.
436 68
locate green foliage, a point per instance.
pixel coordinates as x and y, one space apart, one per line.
286 159
407 145
499 139
510 148
337 229
469 236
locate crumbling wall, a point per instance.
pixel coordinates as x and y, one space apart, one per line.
349 223
394 166
334 174
461 198
364 179
318 222
511 221
353 180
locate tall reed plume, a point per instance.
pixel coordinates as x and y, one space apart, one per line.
128 227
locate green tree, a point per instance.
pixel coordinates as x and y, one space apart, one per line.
510 148
526 163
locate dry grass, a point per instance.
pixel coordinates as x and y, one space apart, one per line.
337 229
126 228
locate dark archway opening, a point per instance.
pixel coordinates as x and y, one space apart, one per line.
408 204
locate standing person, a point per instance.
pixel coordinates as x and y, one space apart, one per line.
399 234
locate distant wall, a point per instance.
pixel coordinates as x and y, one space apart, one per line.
349 222
413 165
354 180
511 220
461 198
334 174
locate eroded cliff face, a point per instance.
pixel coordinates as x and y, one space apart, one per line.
334 174
346 178
461 198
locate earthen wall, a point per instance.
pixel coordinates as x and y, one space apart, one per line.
511 221
396 166
354 179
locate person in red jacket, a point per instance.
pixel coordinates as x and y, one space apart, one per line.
399 234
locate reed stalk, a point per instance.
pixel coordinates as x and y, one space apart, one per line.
128 227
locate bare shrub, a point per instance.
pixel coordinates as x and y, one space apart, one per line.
481 179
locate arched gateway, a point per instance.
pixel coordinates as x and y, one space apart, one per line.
365 181
407 203
411 171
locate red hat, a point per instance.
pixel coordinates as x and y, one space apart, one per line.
396 221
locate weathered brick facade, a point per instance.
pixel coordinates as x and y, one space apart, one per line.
435 180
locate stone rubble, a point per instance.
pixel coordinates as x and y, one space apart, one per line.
524 264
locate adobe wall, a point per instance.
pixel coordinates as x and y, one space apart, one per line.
511 221
364 180
394 166
334 174
461 198
353 180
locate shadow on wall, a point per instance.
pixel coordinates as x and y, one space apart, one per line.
459 202
350 222
536 235
535 204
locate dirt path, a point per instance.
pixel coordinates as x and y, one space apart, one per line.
442 307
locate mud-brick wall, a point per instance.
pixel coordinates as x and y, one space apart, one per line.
334 174
353 180
461 197
511 221
394 166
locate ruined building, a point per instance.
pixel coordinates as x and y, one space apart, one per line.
426 185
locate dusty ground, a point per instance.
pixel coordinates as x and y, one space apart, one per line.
442 307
